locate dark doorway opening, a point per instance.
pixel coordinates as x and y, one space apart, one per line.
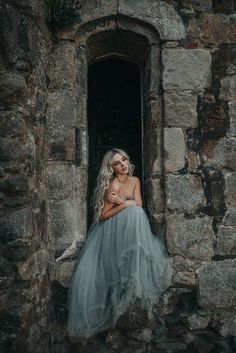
114 115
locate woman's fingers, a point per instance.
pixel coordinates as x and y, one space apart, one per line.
111 197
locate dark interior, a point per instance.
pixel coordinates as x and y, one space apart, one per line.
114 114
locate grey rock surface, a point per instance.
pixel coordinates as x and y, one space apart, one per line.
186 69
217 282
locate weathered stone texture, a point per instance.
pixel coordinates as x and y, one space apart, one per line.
226 240
230 189
61 122
64 273
36 265
228 88
182 278
199 320
217 29
64 67
17 140
154 196
232 114
160 14
184 193
174 149
217 283
220 153
186 69
65 215
17 224
230 217
192 238
226 321
180 109
154 113
12 87
152 143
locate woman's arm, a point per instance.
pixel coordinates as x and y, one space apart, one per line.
137 192
114 210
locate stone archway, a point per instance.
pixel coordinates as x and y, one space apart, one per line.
129 40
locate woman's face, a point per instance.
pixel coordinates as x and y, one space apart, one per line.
120 164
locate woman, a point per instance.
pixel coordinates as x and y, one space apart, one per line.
122 264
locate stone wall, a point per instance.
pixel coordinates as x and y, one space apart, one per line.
25 289
190 178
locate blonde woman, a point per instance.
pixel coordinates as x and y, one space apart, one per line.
122 264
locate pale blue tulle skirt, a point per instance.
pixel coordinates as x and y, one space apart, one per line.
121 265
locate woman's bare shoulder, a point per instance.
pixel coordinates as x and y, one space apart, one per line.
134 179
114 186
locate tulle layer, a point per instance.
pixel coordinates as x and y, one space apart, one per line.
121 265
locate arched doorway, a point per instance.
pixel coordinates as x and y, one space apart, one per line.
114 114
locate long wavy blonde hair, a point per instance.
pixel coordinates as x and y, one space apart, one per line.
105 176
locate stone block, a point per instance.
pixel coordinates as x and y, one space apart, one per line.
193 160
154 197
82 95
184 193
152 151
183 264
217 283
61 123
64 66
226 241
13 87
154 75
230 189
67 205
64 273
184 279
186 69
217 29
220 153
16 224
144 335
16 140
31 8
36 265
90 10
174 149
63 225
82 147
226 321
154 114
61 181
232 115
213 118
191 238
199 320
180 109
158 13
7 273
229 217
228 88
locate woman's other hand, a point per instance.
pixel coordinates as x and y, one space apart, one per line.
113 197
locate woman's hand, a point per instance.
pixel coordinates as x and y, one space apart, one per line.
113 197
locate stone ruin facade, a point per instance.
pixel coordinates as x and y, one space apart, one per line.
186 51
